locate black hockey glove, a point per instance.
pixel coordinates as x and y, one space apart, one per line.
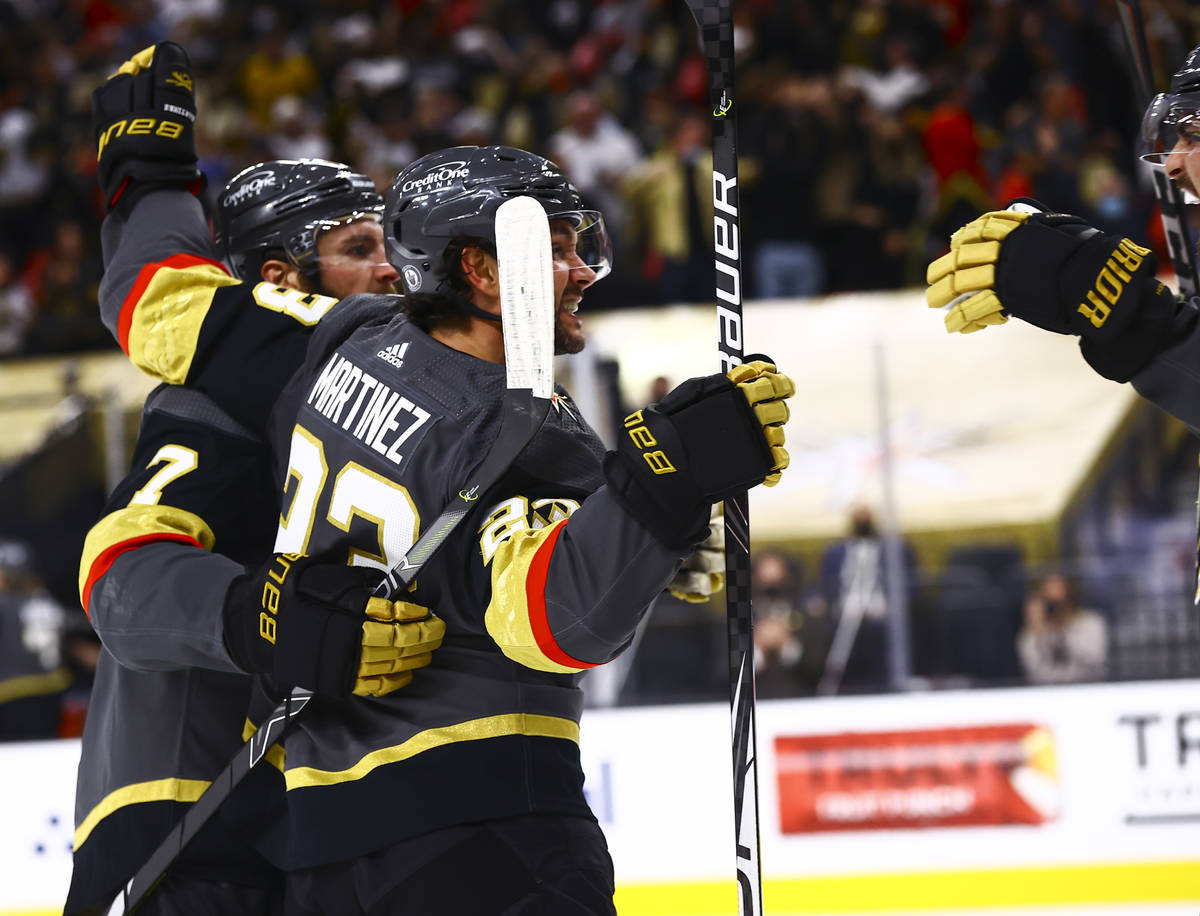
143 119
709 438
1058 273
314 623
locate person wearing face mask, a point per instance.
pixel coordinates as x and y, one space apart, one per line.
1061 643
854 587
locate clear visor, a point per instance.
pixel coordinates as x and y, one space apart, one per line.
355 239
1171 124
579 238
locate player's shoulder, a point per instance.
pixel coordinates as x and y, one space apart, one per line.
373 334
362 313
175 405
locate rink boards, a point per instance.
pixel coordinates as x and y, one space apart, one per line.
1029 801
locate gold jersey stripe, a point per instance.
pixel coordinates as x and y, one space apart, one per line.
34 685
131 527
170 789
474 730
516 615
161 317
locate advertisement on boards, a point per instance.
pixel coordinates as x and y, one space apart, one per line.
933 777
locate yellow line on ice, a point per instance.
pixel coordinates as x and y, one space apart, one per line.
922 892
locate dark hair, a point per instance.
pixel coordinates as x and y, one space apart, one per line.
450 301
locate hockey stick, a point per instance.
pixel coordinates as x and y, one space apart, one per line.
1170 198
715 19
527 315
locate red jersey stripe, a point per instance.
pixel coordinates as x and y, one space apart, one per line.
535 602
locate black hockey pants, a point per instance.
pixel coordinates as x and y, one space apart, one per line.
524 866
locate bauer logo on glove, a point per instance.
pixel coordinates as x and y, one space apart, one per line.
639 433
707 439
143 119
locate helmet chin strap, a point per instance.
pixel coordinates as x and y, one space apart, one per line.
480 313
469 306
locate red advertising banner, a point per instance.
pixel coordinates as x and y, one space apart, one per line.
940 777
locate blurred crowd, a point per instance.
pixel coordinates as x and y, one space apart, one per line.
868 129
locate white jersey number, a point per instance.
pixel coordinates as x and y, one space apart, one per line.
306 308
177 460
356 492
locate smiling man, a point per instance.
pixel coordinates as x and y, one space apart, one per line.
477 772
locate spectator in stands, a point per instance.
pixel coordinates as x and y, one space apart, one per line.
63 279
781 644
597 152
951 140
791 140
383 146
671 202
16 309
24 175
854 584
32 676
895 85
1049 138
296 131
1060 642
278 67
885 202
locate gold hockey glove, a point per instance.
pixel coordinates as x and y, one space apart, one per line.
1060 274
314 623
702 574
143 120
707 439
767 389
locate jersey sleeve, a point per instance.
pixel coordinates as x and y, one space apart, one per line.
181 317
570 581
196 505
1171 380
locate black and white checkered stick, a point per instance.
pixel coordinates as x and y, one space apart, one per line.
715 19
527 313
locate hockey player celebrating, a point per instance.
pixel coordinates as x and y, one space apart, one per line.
182 540
1057 272
481 770
474 770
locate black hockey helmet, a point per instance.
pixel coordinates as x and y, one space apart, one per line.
454 193
283 205
1174 114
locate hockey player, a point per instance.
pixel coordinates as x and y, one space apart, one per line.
464 793
184 536
1057 272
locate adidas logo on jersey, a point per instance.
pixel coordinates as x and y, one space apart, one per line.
393 354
